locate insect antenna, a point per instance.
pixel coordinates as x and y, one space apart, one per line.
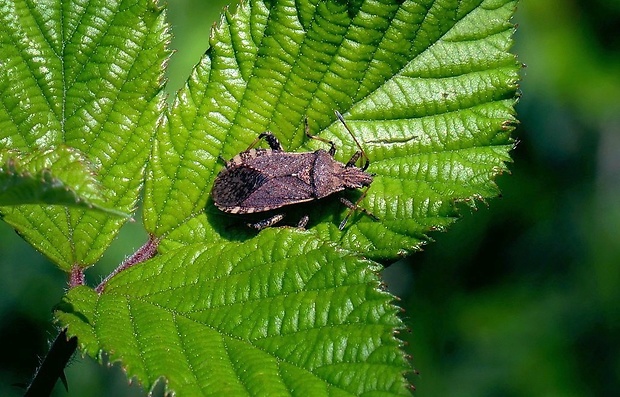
364 156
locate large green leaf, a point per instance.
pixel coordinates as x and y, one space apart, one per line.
428 88
87 75
277 315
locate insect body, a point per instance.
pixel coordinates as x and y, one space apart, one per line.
258 180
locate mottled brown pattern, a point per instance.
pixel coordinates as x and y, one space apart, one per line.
259 180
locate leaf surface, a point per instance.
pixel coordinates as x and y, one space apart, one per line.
279 314
85 75
427 87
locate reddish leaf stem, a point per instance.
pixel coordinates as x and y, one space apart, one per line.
147 251
76 277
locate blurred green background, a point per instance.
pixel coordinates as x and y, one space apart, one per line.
520 298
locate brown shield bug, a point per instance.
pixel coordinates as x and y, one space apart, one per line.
259 180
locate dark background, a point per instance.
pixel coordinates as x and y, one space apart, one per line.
519 298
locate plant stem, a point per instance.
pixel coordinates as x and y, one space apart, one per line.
147 251
53 366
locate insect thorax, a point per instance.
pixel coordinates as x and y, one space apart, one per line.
330 176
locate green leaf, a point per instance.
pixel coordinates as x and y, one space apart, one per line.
85 75
427 87
58 176
279 314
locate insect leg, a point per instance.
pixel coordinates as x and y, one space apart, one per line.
271 140
353 160
353 207
303 222
332 145
260 225
223 160
362 152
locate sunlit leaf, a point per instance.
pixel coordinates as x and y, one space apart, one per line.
428 89
56 177
265 317
84 75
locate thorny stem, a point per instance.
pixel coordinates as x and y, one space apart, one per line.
53 366
147 251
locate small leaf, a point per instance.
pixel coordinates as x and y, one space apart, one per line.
276 314
88 76
58 176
